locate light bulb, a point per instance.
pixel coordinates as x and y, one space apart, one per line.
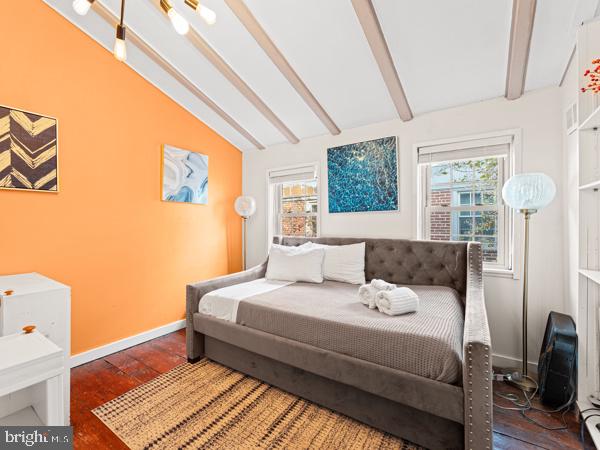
179 23
82 7
209 16
120 50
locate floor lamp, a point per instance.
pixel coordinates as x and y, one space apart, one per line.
527 193
245 206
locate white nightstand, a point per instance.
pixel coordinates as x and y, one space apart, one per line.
32 361
45 303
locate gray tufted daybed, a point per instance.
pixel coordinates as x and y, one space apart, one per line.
426 411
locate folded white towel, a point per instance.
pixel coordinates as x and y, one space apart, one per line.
382 285
398 301
366 295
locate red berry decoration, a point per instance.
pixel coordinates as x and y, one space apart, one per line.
594 81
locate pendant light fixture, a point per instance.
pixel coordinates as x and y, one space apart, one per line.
82 7
179 23
120 50
209 16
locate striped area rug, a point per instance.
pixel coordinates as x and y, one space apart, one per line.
206 405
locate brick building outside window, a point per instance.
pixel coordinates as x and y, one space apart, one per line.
298 213
463 203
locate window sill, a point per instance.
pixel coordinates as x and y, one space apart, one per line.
500 273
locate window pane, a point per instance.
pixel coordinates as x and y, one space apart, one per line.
479 226
299 226
298 199
465 185
311 226
485 169
465 198
489 246
486 223
440 226
465 225
488 198
440 174
462 172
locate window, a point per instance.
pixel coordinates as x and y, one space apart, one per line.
461 196
299 207
294 200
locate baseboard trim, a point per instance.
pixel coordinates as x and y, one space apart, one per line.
510 362
113 347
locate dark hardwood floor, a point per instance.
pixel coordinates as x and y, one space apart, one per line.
99 381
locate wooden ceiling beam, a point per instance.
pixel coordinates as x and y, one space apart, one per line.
370 24
247 19
219 63
136 40
521 30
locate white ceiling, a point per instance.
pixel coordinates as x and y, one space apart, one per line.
458 57
446 54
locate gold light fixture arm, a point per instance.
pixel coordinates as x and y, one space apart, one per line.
165 5
192 4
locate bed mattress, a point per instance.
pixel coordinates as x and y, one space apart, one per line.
427 343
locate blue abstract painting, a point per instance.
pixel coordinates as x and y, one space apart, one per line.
185 176
363 176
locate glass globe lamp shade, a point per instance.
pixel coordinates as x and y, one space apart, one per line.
529 191
245 206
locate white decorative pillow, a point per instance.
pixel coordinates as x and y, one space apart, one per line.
295 264
344 263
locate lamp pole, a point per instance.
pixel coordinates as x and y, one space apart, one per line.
525 383
244 241
527 214
245 206
527 193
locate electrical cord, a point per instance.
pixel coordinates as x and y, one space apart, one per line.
526 405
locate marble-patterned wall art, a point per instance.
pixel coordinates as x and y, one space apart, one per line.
184 176
363 176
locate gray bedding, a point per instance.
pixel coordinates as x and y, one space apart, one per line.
427 343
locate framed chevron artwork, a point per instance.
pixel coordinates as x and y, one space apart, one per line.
28 151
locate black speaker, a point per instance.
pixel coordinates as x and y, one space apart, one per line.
557 367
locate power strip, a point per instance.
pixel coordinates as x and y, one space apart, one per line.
516 376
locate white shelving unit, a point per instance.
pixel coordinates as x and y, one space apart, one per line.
592 121
588 300
592 185
585 404
45 303
593 275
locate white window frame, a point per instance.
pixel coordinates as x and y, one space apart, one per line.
508 238
277 204
274 197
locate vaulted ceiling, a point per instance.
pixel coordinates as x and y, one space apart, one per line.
270 71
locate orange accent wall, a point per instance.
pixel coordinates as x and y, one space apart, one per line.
126 254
